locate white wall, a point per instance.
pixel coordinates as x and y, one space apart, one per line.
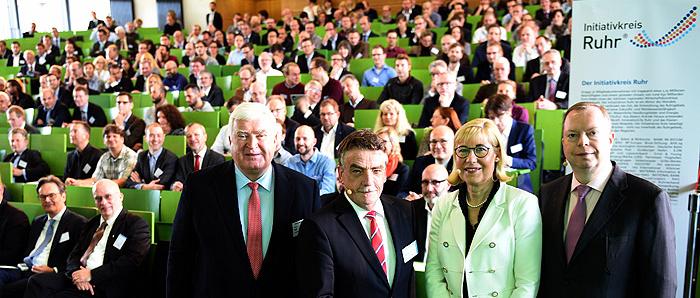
80 12
195 12
147 11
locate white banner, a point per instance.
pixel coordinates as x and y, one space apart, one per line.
639 59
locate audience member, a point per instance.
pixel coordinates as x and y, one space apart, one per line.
193 96
27 164
14 231
50 113
396 170
291 87
132 126
331 87
276 105
404 88
392 114
171 120
81 163
198 157
155 167
441 149
446 97
551 89
311 162
433 185
16 118
356 101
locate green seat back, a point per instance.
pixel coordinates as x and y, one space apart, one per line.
413 113
32 210
371 93
105 101
87 212
80 196
519 70
420 134
143 200
212 132
207 119
214 69
150 218
223 117
469 91
56 160
374 41
272 81
96 139
422 75
229 70
168 205
5 172
358 67
536 174
530 106
550 121
421 62
475 111
3 121
175 144
53 142
224 82
366 118
29 193
16 191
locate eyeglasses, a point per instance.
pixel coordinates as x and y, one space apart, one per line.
432 182
480 151
50 196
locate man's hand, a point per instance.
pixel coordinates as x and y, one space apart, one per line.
81 275
70 181
177 186
42 269
545 104
85 286
412 196
135 177
17 171
153 185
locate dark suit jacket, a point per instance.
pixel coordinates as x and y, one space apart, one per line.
539 84
13 234
76 163
290 127
483 72
95 115
95 50
330 46
521 139
341 132
460 105
134 130
118 273
124 85
208 254
35 168
339 258
59 114
166 162
38 70
480 53
185 164
395 184
215 96
218 21
65 97
347 112
21 60
254 38
421 219
627 247
533 67
416 175
31 129
71 223
312 120
301 61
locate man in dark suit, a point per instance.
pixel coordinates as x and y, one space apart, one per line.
550 91
532 67
94 21
331 132
198 157
441 147
81 162
279 110
99 47
86 111
13 237
50 112
605 233
16 118
249 36
307 110
52 236
31 68
134 127
117 81
214 17
107 256
331 39
433 185
356 101
146 70
308 53
27 164
361 244
225 242
210 91
446 96
16 58
155 167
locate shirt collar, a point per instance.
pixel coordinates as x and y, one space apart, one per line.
265 181
332 131
156 154
361 212
113 218
598 182
59 215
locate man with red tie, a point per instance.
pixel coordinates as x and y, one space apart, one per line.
605 233
198 157
360 244
237 223
107 256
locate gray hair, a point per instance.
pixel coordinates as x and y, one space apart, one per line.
251 111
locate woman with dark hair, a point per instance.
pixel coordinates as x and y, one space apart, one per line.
171 120
442 116
345 50
18 97
128 71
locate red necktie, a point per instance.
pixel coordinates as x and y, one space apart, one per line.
577 220
196 162
254 230
375 237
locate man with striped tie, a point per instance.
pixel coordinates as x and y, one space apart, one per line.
361 244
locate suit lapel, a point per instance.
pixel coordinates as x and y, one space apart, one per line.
607 205
396 228
348 219
282 209
227 201
189 162
556 211
36 232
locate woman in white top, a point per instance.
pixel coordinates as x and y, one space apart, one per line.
485 236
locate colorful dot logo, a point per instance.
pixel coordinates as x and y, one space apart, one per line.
684 26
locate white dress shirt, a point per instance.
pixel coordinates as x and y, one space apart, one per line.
597 184
96 258
328 142
43 257
383 224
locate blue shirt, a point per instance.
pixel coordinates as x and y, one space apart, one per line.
266 192
374 77
176 82
320 168
152 159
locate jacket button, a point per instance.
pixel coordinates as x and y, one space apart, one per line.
444 269
445 244
494 294
492 245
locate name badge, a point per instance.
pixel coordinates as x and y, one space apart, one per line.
295 227
64 237
375 80
434 51
127 133
158 172
402 139
460 79
120 241
516 148
560 94
91 120
410 251
87 168
393 177
22 164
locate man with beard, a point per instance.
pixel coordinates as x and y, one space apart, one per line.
310 162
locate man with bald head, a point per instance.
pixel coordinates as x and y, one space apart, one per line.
550 90
310 162
441 147
501 72
51 113
433 185
106 260
198 157
237 222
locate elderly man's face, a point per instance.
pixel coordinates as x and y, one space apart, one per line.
434 184
445 84
51 198
48 99
587 140
551 63
253 145
107 197
363 173
501 70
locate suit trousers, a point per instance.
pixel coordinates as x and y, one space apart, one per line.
56 285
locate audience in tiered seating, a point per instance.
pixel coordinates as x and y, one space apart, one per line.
27 164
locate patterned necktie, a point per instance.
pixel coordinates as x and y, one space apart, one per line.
577 220
196 162
254 243
552 89
83 116
95 238
47 238
375 237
